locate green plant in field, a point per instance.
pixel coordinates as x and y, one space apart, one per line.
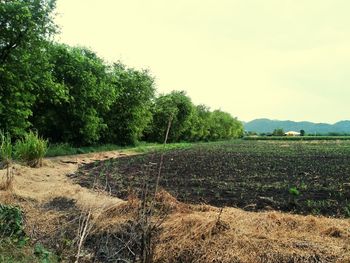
42 253
303 186
294 191
31 149
347 210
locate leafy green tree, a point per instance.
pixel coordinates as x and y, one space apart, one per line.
25 24
85 85
130 113
176 108
302 133
25 27
199 129
278 132
224 126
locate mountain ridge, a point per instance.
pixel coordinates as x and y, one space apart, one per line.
265 125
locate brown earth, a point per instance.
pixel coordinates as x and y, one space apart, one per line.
189 233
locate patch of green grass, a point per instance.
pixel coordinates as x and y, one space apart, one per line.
142 147
156 147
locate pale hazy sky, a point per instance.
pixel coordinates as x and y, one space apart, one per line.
280 59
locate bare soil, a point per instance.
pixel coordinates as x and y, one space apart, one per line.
254 176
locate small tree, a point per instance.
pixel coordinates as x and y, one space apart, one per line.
302 133
278 132
175 106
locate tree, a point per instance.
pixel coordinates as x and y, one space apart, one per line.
224 126
25 24
278 132
130 113
199 128
25 27
85 84
302 133
175 107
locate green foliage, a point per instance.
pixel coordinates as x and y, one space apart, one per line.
190 122
70 95
14 247
175 107
294 191
11 224
130 113
347 210
87 93
278 132
201 124
31 149
25 28
42 253
224 126
11 253
302 133
5 149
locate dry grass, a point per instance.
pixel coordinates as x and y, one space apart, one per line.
242 236
203 234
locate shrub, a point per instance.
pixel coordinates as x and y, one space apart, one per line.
31 149
11 223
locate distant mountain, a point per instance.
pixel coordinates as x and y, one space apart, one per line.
267 125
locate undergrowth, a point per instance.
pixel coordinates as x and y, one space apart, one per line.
31 149
15 245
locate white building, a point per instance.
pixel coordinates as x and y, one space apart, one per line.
292 133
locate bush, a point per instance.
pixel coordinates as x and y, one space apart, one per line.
31 149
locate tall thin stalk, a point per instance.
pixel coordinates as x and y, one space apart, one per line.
6 159
147 212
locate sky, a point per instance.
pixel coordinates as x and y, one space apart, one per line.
277 59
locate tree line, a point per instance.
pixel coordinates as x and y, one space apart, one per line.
69 94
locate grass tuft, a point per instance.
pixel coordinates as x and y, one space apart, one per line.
31 149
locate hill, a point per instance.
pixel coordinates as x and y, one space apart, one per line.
267 125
